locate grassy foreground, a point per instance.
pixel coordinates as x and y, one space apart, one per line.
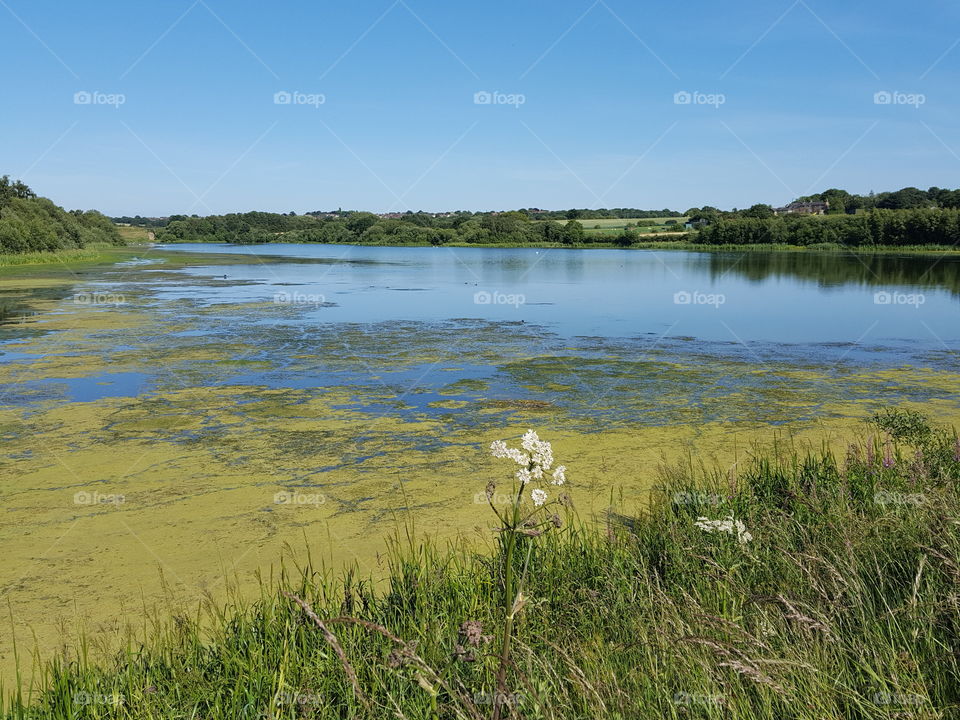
833 591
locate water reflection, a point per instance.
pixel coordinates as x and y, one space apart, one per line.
836 269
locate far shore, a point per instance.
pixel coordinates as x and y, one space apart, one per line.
105 255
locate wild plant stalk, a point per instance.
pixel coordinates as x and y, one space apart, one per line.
535 459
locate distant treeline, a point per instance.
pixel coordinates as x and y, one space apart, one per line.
611 213
843 203
138 221
29 223
908 198
513 227
934 226
908 216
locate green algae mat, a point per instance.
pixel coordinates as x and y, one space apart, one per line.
170 428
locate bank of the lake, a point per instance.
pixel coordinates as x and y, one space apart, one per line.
673 244
813 586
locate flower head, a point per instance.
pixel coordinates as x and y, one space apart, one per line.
728 526
499 449
535 458
541 452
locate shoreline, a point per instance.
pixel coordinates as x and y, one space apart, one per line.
665 245
104 255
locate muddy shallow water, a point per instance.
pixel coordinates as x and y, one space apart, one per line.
172 422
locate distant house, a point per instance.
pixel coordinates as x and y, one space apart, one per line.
695 224
804 208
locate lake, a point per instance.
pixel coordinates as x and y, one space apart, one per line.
180 420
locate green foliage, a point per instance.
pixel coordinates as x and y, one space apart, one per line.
573 233
33 224
759 211
906 217
905 199
10 190
909 425
878 227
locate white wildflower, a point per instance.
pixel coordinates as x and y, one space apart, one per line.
499 449
529 441
541 453
728 526
518 457
535 460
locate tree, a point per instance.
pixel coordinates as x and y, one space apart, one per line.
905 199
705 214
359 223
759 211
10 190
505 223
573 233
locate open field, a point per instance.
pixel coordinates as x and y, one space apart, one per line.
134 234
614 226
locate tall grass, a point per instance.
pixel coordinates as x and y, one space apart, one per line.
845 603
96 251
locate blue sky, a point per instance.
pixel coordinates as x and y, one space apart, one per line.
782 102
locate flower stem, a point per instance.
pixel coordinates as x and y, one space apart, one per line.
510 540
